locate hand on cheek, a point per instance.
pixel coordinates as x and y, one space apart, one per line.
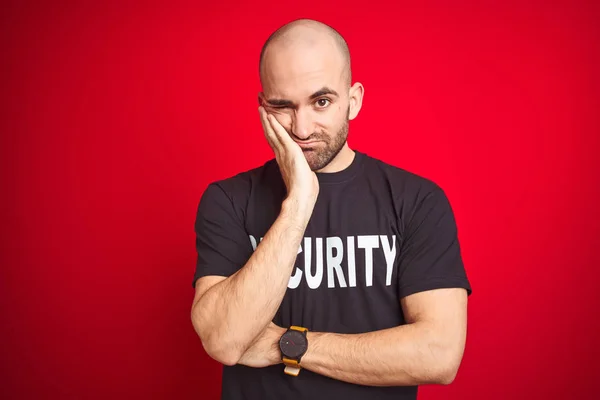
284 119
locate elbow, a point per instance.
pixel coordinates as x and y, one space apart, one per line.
440 374
216 346
448 368
447 376
221 353
443 363
442 353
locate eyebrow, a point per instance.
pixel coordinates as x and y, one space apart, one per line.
322 92
288 103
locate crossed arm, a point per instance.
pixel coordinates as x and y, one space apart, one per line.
233 315
427 350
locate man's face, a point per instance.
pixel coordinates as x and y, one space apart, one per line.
306 89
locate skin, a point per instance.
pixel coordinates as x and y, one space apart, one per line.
306 87
307 130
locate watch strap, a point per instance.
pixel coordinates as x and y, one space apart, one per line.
298 328
292 366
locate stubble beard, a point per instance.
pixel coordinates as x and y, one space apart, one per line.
319 159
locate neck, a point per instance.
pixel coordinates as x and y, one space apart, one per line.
341 161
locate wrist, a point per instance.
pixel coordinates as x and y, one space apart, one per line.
275 353
298 210
313 340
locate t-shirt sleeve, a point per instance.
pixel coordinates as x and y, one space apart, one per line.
430 256
222 245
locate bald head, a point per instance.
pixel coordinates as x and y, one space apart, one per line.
306 86
302 37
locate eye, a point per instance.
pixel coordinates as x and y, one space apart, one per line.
322 103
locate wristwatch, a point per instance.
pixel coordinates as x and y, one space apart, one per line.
293 344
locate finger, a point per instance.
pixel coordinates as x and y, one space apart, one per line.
263 120
268 130
286 142
279 131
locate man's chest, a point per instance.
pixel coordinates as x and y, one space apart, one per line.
346 269
347 243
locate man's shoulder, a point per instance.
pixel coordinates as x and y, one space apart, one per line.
399 177
242 182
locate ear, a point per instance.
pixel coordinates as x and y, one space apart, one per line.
356 94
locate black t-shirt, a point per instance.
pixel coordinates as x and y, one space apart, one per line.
378 233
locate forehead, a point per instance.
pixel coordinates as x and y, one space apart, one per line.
296 72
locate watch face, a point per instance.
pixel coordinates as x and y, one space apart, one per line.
293 344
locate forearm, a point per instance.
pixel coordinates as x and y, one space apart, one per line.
234 311
407 355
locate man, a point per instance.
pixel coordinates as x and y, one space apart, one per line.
325 273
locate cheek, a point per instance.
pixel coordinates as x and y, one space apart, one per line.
284 118
331 120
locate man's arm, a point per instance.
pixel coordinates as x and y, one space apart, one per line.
433 289
427 350
229 313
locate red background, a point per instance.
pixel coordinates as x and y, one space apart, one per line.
115 117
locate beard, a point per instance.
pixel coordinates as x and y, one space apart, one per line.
319 158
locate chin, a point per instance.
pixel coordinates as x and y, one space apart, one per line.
314 161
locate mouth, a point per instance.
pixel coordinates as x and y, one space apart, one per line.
307 145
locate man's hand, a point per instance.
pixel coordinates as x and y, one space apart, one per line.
300 180
265 349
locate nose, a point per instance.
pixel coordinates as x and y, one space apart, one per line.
302 124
